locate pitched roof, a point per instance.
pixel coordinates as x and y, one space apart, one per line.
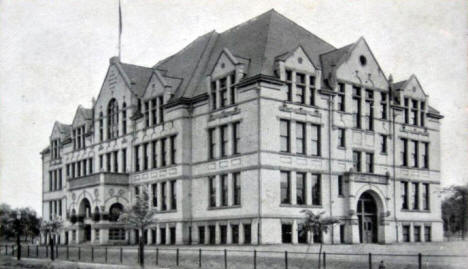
258 40
138 76
331 59
399 85
64 129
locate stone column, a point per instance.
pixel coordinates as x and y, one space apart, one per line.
241 234
292 128
254 232
230 142
93 235
229 233
230 190
149 236
293 88
207 235
308 188
218 234
158 234
218 190
294 232
179 233
168 234
293 188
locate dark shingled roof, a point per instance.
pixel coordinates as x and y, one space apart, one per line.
398 85
331 59
139 77
258 40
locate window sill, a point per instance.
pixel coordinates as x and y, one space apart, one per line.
300 206
341 147
167 211
299 155
224 157
224 207
416 210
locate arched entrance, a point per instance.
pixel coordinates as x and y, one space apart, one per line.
114 211
367 213
85 208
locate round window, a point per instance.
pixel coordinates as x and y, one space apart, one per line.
362 60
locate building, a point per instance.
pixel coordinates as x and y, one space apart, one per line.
237 133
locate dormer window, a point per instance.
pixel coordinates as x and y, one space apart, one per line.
78 136
153 111
222 91
300 87
55 148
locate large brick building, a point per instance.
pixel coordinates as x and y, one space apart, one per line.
237 133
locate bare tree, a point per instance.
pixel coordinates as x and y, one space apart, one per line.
316 224
140 216
51 229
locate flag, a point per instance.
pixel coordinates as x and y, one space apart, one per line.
120 27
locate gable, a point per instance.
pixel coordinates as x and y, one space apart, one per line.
59 131
226 64
413 89
299 60
113 86
155 86
360 66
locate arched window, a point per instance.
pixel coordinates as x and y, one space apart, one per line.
124 118
115 211
112 119
101 126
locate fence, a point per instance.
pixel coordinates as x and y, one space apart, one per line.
233 259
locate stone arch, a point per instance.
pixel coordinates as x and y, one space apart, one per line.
84 208
370 223
115 210
378 195
115 199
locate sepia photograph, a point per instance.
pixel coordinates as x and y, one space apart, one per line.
301 134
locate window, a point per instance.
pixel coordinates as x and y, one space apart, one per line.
236 186
406 110
90 165
370 162
212 143
201 234
154 191
357 106
404 152
173 149
137 158
417 233
285 187
162 232
340 185
235 233
212 234
286 233
124 160
213 95
116 161
223 140
315 140
316 190
55 148
427 234
414 112
154 111
425 155
212 191
101 127
406 232
357 161
370 109
342 233
101 164
124 118
163 152
300 87
116 234
173 195
301 234
289 85
425 196
154 153
235 137
112 119
223 94
300 188
232 92
415 153
415 190
341 97
341 137
312 90
223 234
284 136
247 233
147 113
163 196
108 163
145 156
300 138
383 144
383 105
404 195
422 114
224 190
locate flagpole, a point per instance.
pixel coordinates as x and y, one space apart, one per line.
120 30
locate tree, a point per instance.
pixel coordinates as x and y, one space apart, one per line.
30 223
454 210
316 224
140 216
51 228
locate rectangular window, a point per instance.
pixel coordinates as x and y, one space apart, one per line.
357 107
425 196
147 113
342 233
173 195
422 114
163 152
357 161
315 137
316 190
212 191
101 164
300 188
404 195
235 137
301 234
406 232
285 187
404 152
154 152
425 155
427 234
161 108
223 234
289 85
96 232
235 233
51 181
370 109
414 112
417 233
145 157
300 138
212 234
406 110
341 137
415 153
236 186
312 90
85 167
154 191
163 196
415 190
224 190
212 143
223 92
124 160
383 144
284 136
162 232
341 97
247 233
232 92
213 95
223 140
201 234
114 234
383 105
137 158
370 162
68 170
154 111
78 165
173 149
116 161
300 87
286 233
340 185
90 165
124 119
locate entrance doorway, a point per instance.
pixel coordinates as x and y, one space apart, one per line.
87 232
367 215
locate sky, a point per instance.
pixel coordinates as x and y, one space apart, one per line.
54 56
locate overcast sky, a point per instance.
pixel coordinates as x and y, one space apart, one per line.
54 55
